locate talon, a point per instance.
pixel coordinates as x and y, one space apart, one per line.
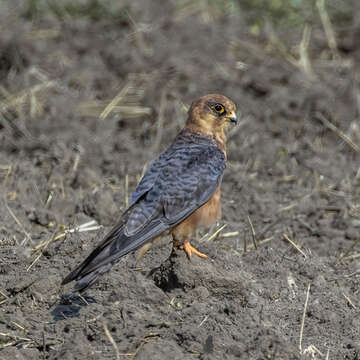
189 249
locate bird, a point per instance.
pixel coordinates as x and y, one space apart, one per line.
179 192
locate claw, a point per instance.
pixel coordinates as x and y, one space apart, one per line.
189 249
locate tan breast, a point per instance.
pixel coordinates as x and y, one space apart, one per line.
207 214
204 216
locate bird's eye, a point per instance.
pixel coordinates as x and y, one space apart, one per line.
219 109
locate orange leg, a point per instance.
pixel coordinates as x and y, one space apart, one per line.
188 248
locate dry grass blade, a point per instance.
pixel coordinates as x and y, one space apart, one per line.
329 31
34 262
89 226
143 171
39 256
16 219
349 301
294 204
44 244
203 321
351 257
251 246
132 111
15 102
303 318
312 351
83 299
10 343
14 340
304 61
19 326
355 210
207 10
213 236
125 103
9 169
295 245
115 101
139 36
337 131
345 256
96 108
77 160
5 298
253 233
112 341
149 338
259 243
230 234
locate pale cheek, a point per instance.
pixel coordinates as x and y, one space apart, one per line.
207 124
211 123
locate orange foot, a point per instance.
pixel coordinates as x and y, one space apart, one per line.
189 249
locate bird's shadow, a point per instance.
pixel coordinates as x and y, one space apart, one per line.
70 305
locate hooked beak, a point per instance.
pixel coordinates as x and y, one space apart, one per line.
233 118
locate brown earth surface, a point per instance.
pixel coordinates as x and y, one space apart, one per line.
69 155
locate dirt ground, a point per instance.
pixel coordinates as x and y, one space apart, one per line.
86 103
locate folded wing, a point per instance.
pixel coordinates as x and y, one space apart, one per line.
181 180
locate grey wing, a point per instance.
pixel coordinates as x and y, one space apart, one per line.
151 175
185 181
146 183
196 181
189 179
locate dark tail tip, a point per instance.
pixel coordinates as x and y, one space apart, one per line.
70 277
84 281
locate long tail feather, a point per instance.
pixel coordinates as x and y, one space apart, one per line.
115 245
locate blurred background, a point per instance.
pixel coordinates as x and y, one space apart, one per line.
87 85
92 90
94 78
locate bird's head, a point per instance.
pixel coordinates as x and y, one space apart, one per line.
211 114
